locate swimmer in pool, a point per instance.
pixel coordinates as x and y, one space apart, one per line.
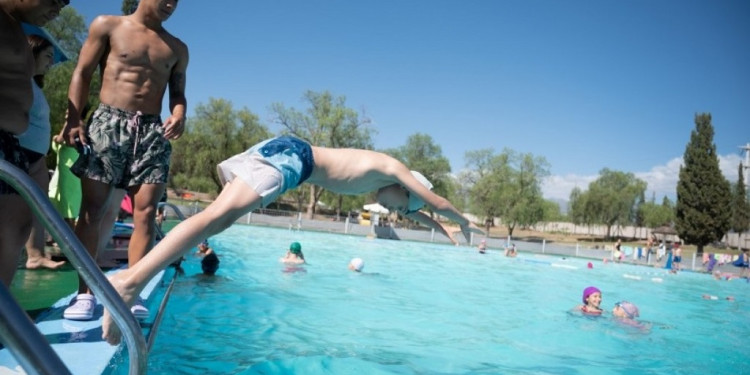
293 255
592 300
356 264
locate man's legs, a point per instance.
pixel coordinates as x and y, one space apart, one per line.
145 199
35 243
96 198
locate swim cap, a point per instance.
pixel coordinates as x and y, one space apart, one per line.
357 264
295 248
205 243
415 204
589 291
631 310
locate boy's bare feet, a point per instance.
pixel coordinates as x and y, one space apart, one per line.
110 331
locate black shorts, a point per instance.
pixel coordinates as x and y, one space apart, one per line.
12 152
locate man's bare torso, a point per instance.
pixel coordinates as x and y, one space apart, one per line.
137 66
16 69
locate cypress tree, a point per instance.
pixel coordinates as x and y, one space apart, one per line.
703 212
740 207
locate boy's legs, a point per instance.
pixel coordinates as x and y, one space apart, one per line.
235 200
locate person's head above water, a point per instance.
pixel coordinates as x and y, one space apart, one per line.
625 309
357 264
397 198
210 263
588 292
295 248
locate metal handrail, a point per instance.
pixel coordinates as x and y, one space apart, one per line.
86 267
28 345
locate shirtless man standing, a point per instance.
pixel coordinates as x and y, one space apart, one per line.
125 144
16 70
256 177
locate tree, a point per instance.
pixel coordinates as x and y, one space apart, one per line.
654 215
703 207
486 174
740 206
611 199
215 133
326 123
507 185
523 196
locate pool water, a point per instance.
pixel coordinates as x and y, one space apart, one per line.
421 308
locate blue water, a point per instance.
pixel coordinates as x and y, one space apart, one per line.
434 309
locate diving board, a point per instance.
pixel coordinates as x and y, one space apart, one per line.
79 344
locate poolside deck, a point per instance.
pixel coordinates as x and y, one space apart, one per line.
79 343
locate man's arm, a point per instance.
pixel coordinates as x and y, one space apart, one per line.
175 124
91 53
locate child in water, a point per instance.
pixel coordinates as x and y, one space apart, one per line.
592 299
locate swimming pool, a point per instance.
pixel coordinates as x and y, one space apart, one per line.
433 309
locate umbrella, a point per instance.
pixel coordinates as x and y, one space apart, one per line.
375 208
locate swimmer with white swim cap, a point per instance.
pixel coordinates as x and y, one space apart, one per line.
356 264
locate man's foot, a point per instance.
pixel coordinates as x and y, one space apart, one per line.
81 307
110 331
43 262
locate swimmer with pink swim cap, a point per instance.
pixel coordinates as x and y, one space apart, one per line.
592 300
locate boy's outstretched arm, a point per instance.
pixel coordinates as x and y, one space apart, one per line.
432 223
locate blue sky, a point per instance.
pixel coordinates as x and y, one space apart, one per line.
585 84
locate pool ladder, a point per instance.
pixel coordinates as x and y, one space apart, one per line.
19 334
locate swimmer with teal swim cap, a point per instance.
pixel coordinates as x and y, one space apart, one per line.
294 254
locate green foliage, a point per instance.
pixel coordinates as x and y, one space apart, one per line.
551 211
507 185
214 134
654 215
612 198
128 6
740 205
703 209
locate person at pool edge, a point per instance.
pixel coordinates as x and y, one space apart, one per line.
482 246
592 300
293 255
256 177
